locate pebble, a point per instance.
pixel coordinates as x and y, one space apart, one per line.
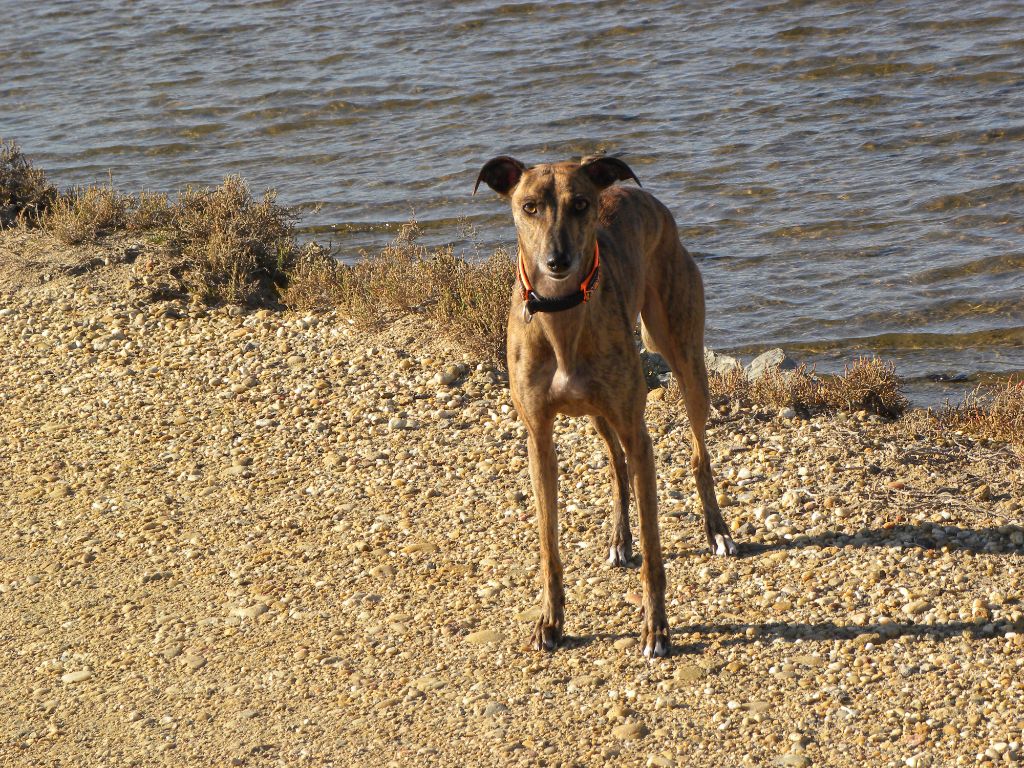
916 607
629 731
253 611
689 673
484 636
77 677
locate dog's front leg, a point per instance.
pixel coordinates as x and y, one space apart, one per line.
544 477
640 461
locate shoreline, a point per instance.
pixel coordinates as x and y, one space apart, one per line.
266 537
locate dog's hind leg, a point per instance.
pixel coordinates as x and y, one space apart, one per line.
620 547
693 380
654 636
673 320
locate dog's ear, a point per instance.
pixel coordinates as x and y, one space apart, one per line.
500 174
605 171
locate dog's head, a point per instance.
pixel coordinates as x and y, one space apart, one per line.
555 207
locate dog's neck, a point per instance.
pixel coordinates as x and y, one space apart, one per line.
564 332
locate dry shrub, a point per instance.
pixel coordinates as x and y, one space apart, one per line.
86 214
473 303
990 410
316 282
799 389
392 281
25 194
867 384
467 301
148 212
733 386
235 248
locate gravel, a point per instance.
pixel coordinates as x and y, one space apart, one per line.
249 537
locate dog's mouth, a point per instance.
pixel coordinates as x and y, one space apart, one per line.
561 273
558 277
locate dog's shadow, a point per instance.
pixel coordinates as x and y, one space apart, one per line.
990 540
925 537
738 633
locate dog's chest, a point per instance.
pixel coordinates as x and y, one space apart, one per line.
570 391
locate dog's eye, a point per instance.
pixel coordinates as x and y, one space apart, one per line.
580 204
530 208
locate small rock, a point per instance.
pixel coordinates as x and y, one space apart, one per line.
530 614
628 731
915 607
720 364
448 375
252 612
77 677
484 636
689 673
773 358
425 546
624 643
172 652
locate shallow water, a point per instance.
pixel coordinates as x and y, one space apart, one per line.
849 175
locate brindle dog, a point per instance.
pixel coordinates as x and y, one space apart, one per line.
571 350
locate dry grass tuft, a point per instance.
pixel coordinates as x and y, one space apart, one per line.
394 281
867 384
993 411
25 194
467 302
148 212
316 282
473 303
235 248
86 214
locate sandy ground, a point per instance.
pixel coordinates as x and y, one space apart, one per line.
254 538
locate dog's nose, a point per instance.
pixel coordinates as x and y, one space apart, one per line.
559 262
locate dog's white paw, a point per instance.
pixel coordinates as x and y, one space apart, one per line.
659 650
725 546
619 555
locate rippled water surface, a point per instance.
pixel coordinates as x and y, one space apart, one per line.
851 175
